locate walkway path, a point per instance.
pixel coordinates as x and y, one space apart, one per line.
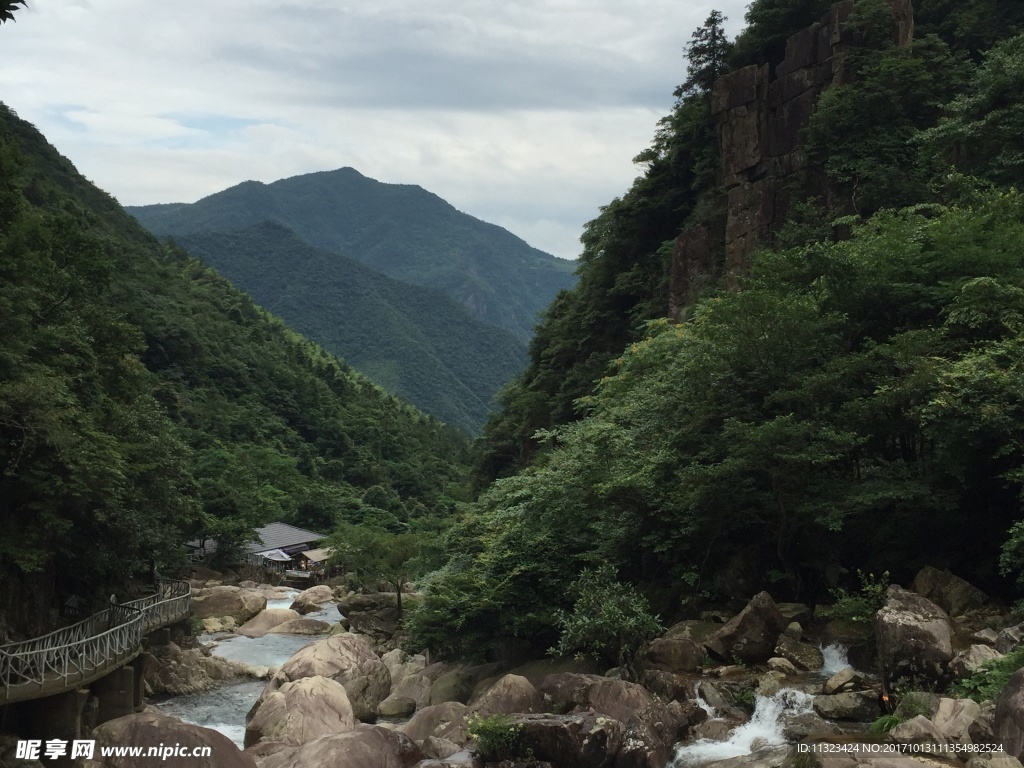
77 655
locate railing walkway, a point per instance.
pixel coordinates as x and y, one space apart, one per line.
77 655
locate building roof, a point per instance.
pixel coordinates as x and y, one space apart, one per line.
317 555
282 536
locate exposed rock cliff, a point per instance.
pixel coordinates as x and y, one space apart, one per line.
760 115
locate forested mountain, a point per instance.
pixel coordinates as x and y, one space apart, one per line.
415 342
400 230
145 401
794 349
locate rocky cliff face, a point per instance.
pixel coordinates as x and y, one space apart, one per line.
760 115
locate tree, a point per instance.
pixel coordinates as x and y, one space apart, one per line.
707 55
8 7
377 555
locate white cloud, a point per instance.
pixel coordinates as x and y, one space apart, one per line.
525 114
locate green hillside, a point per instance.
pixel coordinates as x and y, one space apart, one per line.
400 230
415 342
145 401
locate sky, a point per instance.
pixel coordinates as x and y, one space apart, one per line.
523 113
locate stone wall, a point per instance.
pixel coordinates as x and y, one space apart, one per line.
760 115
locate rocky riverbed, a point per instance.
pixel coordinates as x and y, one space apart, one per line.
725 691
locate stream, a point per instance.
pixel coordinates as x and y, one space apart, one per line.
224 708
765 727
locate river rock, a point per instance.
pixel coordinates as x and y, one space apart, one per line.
785 666
150 729
860 706
310 600
365 747
583 740
668 686
967 662
300 712
807 725
644 716
1010 639
508 695
691 629
803 655
993 760
675 655
1009 716
917 730
265 621
347 659
401 664
438 748
396 706
432 719
949 592
215 602
220 624
564 691
986 636
301 627
416 687
914 636
795 612
953 719
173 671
842 681
751 635
458 684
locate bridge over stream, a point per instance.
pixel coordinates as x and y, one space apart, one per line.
73 657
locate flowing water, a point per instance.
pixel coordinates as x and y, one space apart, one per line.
225 707
765 727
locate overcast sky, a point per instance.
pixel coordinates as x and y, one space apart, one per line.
524 113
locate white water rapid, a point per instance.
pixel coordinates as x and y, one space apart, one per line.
765 727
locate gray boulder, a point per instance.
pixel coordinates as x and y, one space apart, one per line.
914 636
751 635
949 592
859 706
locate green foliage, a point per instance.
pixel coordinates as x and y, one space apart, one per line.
861 606
375 555
609 620
848 394
988 681
144 401
706 56
882 725
417 343
913 704
496 737
769 24
980 132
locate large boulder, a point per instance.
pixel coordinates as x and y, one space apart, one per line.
751 635
1009 716
216 602
953 719
565 691
1010 638
431 720
675 654
347 659
364 747
401 664
510 694
265 621
583 740
860 706
949 592
174 671
967 662
150 729
301 627
649 720
801 655
312 599
458 684
914 637
300 712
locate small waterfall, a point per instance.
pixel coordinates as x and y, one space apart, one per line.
764 729
835 659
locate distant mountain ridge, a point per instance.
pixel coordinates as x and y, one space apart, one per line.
415 342
401 230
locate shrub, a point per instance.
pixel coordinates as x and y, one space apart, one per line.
609 620
860 606
990 678
497 737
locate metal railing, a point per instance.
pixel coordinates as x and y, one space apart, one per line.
89 649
